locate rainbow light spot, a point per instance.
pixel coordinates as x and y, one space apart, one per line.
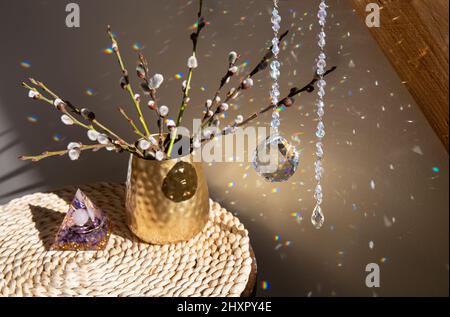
32 119
265 285
25 64
231 184
137 46
298 216
108 51
56 137
195 25
203 88
243 65
90 92
277 237
281 108
435 169
275 190
179 75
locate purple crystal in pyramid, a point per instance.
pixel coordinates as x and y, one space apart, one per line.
85 226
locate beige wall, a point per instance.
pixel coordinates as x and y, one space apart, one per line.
375 131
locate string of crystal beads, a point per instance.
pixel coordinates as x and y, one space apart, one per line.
275 66
317 217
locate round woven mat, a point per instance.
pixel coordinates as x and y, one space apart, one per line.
216 262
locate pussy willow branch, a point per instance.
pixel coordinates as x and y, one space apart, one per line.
63 110
294 91
127 86
222 83
260 66
152 92
185 99
119 141
46 154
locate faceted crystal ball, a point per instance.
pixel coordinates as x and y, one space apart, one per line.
275 159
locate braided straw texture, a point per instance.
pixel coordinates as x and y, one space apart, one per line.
216 262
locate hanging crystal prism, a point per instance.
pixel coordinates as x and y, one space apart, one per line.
275 159
317 217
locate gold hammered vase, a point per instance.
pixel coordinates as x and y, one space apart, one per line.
166 201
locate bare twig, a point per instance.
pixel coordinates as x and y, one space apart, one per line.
46 154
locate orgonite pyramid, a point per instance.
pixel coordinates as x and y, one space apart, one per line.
85 226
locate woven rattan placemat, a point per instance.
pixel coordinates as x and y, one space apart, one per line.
216 262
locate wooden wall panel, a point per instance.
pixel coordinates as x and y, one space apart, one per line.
414 36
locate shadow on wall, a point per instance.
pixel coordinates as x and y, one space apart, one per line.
15 177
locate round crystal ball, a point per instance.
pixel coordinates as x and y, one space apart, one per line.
275 159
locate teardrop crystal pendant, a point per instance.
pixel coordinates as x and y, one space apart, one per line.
275 159
317 217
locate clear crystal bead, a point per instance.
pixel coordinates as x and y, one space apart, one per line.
275 49
276 19
320 125
275 85
322 14
321 43
275 115
318 195
274 74
318 170
320 112
319 149
275 159
317 217
318 175
276 27
318 164
275 65
321 83
274 93
320 133
275 123
321 92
